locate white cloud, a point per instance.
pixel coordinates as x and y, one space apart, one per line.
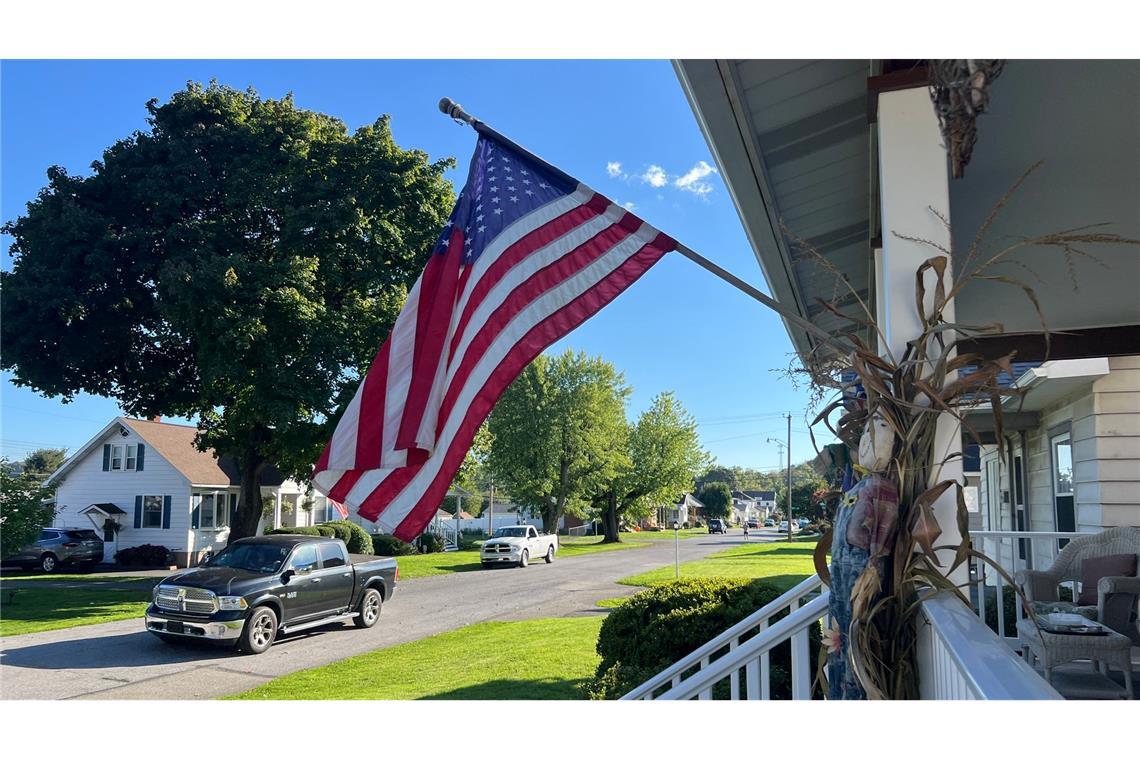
613 168
693 181
629 205
655 176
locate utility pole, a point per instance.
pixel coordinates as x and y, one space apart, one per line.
789 416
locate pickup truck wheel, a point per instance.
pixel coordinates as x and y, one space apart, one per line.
48 562
549 554
368 611
259 632
524 560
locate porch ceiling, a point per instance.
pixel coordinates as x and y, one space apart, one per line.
791 139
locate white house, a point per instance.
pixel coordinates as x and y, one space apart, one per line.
148 479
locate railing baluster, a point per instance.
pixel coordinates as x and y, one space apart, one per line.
1000 597
801 669
752 679
734 679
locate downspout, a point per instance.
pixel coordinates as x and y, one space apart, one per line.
1025 490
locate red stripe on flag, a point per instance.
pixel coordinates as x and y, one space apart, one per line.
345 484
433 319
522 353
370 418
534 286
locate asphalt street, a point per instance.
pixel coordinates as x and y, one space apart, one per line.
120 660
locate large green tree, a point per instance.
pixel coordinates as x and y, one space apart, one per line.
559 434
43 462
664 455
25 507
717 498
238 262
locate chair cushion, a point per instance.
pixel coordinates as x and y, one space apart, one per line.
1095 568
1044 608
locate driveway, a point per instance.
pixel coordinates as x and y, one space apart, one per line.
121 661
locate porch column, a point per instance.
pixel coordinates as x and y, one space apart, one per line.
913 179
277 509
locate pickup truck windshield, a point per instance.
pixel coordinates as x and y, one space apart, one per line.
516 531
256 558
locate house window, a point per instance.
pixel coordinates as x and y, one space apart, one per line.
117 457
123 456
130 456
213 508
1063 493
152 512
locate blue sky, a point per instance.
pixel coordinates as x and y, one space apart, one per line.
622 127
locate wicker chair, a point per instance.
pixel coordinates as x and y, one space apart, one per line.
1116 596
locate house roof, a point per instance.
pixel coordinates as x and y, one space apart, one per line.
175 444
761 495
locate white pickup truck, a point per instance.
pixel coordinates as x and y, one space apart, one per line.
516 545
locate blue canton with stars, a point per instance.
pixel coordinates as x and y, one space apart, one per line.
502 186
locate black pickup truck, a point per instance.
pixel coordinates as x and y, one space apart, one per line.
256 588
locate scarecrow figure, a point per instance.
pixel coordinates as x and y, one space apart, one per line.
864 533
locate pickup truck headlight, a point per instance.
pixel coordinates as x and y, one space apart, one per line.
232 603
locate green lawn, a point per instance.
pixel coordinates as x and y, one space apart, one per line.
530 659
784 564
23 575
443 563
46 609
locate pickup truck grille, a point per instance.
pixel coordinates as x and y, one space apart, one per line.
497 548
195 601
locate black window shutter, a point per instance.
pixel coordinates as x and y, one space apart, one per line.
233 507
138 511
194 514
139 461
106 457
165 512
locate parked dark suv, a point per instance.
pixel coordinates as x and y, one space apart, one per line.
60 546
716 526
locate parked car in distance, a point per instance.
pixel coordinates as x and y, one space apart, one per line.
803 522
258 588
717 526
783 526
516 545
769 523
60 546
753 523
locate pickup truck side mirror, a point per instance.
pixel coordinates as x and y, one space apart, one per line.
285 576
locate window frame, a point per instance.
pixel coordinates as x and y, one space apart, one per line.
117 450
219 514
130 456
146 504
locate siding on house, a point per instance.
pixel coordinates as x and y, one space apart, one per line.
86 483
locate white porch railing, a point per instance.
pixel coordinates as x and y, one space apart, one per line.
959 657
1013 551
746 665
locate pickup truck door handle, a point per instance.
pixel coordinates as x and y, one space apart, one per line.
347 575
315 580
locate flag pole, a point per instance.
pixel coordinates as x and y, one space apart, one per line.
450 108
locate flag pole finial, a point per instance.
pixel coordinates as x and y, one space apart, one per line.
455 111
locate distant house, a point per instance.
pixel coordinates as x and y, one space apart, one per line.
144 482
687 509
765 502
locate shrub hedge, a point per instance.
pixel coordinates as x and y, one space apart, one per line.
429 543
355 537
390 546
299 531
147 555
659 626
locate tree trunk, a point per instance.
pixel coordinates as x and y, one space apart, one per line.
249 502
610 520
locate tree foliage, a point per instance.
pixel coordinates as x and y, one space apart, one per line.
559 433
663 453
238 262
716 473
43 462
717 498
25 508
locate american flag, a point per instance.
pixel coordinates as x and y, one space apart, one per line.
527 255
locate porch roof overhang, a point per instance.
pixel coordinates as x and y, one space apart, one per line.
797 147
1052 381
106 508
792 142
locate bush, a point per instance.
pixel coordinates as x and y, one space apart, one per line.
326 531
657 627
147 555
299 531
390 546
429 543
